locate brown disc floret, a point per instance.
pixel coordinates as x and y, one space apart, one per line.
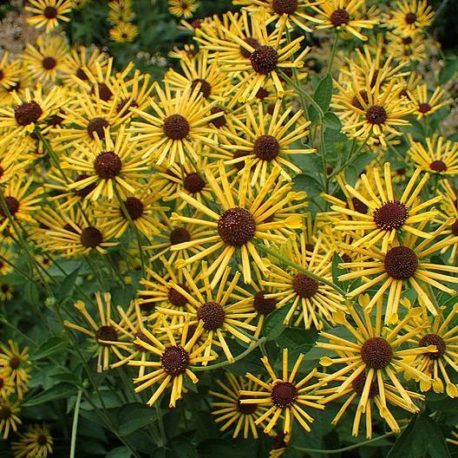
236 227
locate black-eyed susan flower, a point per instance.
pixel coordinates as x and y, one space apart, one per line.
409 17
120 11
406 49
176 125
81 62
7 257
237 222
371 356
48 13
403 265
439 155
183 8
171 361
441 364
264 141
313 303
387 214
449 213
222 315
228 410
109 164
15 363
45 60
123 32
345 15
425 104
285 396
35 442
10 70
6 384
6 291
101 331
9 417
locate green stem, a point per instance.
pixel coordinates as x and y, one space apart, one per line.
227 363
75 424
18 270
301 269
333 52
95 271
161 424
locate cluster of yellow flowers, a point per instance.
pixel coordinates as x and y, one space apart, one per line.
191 182
121 16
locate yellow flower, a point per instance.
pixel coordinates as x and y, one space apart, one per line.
449 214
10 70
410 17
48 13
35 442
183 8
283 396
15 363
425 105
229 410
407 49
6 384
124 32
9 419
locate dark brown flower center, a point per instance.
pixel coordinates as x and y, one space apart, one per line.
97 126
239 153
304 286
176 298
5 412
175 360
14 362
262 93
4 288
193 183
12 204
176 127
454 228
284 394
134 207
54 120
49 63
107 165
376 115
263 305
251 42
376 353
220 121
356 100
284 6
108 333
27 113
91 237
438 166
264 59
212 314
424 108
50 12
42 440
359 383
401 263
84 192
433 339
407 41
266 147
205 87
81 74
339 17
179 235
359 206
103 91
246 409
236 226
410 18
391 215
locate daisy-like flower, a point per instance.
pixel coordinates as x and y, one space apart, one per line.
14 159
402 266
172 361
262 58
20 202
15 363
183 8
387 215
7 257
6 292
80 62
449 212
373 111
313 303
237 222
10 70
410 17
373 355
345 15
120 11
407 49
353 392
425 105
28 110
291 12
175 127
438 156
35 442
108 164
222 315
47 13
264 141
45 60
229 412
438 365
6 384
9 418
123 32
102 332
284 396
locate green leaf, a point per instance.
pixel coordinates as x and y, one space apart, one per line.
119 452
50 347
133 417
332 121
274 323
323 93
336 272
66 289
449 70
59 391
422 438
